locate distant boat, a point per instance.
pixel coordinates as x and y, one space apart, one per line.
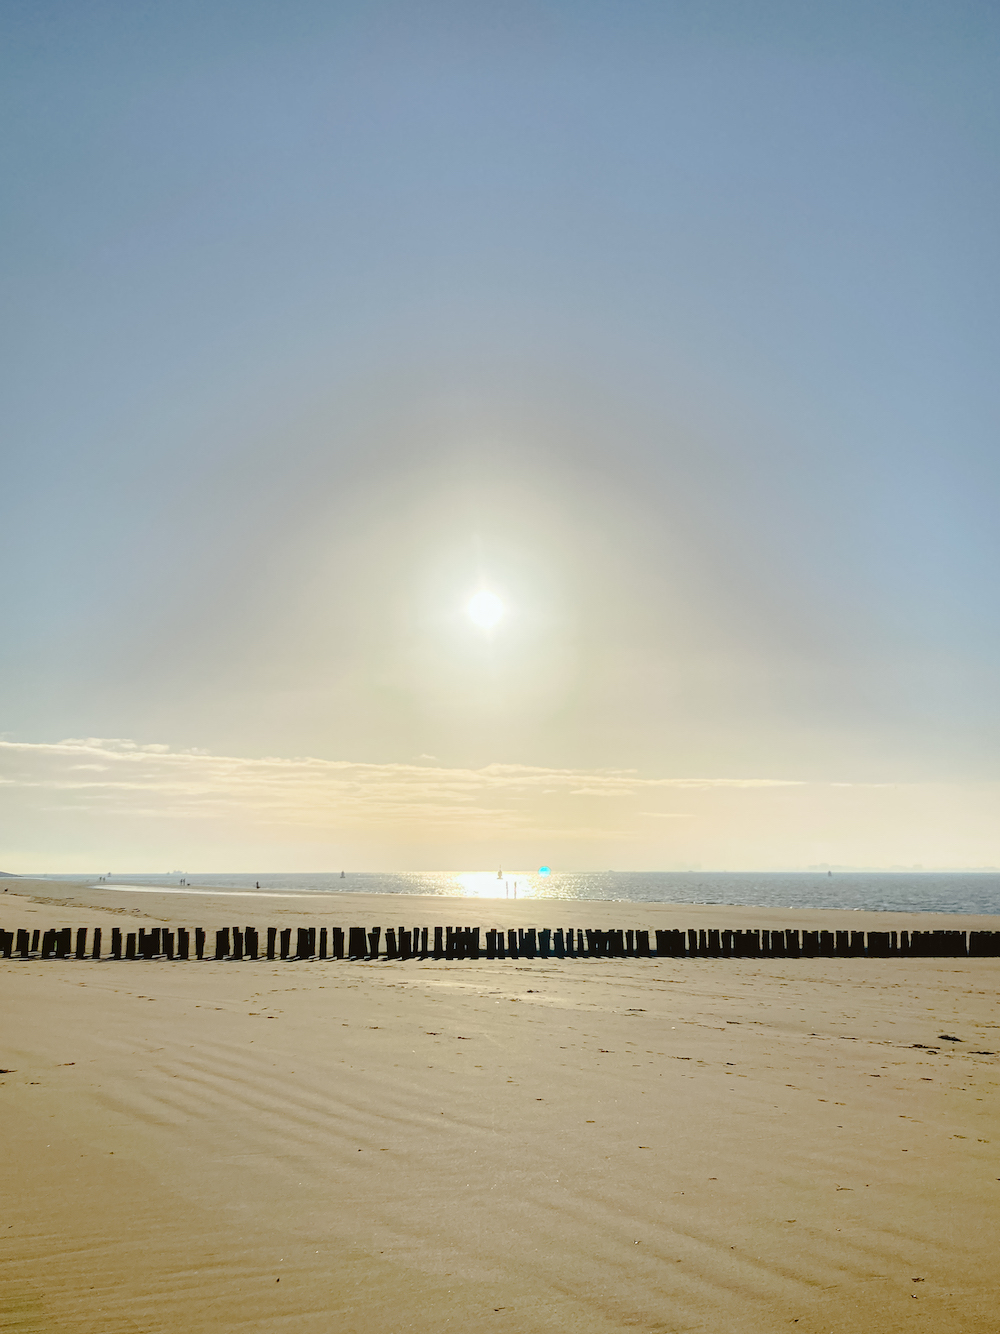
343 876
500 874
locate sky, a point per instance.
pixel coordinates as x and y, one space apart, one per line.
672 325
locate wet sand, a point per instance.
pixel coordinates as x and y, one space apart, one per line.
713 1145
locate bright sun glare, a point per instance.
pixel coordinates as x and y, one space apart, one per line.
485 609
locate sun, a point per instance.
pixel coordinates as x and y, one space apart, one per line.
485 609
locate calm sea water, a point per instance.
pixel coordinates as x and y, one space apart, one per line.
902 891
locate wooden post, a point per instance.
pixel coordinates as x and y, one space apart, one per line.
424 952
272 936
356 942
373 941
322 942
6 943
285 943
116 943
130 945
183 944
251 942
337 941
512 951
559 944
23 943
237 943
222 943
199 942
302 942
544 943
167 937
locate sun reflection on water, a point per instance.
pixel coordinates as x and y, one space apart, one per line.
487 885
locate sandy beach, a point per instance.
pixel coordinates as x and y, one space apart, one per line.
668 1145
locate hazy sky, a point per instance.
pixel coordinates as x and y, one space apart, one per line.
674 325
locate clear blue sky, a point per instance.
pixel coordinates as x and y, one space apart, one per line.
674 324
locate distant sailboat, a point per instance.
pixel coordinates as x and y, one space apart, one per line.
500 873
343 876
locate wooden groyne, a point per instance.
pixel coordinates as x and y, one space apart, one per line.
463 942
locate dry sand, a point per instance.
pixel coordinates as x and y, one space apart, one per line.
714 1145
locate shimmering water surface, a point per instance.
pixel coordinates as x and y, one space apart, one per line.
898 891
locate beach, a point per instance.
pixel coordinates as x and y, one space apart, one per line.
530 1145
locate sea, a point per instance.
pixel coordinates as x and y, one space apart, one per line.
883 891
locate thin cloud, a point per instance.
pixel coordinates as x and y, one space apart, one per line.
118 776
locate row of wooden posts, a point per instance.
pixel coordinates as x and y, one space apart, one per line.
463 942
